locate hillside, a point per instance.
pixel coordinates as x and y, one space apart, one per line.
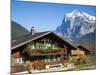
17 30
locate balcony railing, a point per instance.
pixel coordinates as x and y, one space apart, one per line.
42 52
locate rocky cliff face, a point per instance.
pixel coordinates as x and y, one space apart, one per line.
78 27
76 24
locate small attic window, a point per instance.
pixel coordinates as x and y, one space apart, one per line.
13 40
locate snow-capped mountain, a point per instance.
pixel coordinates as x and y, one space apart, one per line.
76 24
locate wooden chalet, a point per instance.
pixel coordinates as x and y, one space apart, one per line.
80 50
87 52
38 49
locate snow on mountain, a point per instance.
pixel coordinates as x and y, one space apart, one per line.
76 24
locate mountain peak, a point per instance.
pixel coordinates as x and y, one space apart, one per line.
73 13
79 14
77 24
76 12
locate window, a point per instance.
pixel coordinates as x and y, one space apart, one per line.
19 61
16 61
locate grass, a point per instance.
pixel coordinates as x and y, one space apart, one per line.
80 66
90 61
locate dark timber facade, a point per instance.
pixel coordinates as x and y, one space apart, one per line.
38 50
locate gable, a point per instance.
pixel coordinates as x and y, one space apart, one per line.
28 38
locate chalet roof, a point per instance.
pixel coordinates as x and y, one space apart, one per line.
28 38
83 48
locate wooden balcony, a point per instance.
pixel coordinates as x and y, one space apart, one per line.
43 52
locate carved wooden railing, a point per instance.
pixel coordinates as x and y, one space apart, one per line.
46 51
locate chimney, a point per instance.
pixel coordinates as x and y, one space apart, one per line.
32 31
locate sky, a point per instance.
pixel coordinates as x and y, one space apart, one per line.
44 16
